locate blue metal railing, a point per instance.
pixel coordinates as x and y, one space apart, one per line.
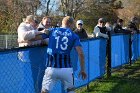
22 69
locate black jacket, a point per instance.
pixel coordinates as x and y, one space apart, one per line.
132 26
81 33
118 28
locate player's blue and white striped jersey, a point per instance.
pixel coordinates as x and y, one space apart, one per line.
61 41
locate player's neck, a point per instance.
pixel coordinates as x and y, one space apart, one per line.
65 26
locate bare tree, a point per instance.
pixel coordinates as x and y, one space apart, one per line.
131 8
71 7
47 6
12 12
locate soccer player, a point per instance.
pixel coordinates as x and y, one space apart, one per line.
59 67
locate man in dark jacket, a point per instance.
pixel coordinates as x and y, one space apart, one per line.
132 25
118 26
80 31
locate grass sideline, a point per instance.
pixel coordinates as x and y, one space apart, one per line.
124 80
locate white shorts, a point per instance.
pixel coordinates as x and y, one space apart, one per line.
65 75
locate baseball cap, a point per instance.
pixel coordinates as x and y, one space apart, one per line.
79 22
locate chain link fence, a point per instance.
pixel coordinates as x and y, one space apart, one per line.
8 41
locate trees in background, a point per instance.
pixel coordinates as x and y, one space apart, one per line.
94 9
131 8
12 11
72 7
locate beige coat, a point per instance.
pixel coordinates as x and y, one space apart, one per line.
25 33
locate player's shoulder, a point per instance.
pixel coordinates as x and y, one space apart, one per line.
55 29
75 36
64 29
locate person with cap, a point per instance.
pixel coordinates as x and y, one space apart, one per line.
28 34
100 29
80 31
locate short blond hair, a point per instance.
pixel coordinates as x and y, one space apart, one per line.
67 20
30 18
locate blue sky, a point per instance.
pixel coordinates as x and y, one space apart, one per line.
53 3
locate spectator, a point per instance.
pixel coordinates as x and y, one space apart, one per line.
45 24
80 30
28 33
61 41
100 30
132 25
108 26
118 26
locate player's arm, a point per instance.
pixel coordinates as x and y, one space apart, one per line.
40 35
82 61
37 37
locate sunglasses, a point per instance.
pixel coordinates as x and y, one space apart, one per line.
80 24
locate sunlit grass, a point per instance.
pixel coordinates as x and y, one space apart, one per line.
125 80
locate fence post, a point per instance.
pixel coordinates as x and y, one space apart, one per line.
108 53
88 89
130 50
6 42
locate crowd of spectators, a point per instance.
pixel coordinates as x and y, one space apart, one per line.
102 29
31 32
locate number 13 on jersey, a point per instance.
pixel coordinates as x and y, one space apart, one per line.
61 42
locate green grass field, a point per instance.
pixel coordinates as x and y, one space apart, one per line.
124 80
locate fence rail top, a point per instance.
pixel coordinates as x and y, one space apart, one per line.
18 48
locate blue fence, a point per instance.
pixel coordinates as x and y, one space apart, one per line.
22 70
119 50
